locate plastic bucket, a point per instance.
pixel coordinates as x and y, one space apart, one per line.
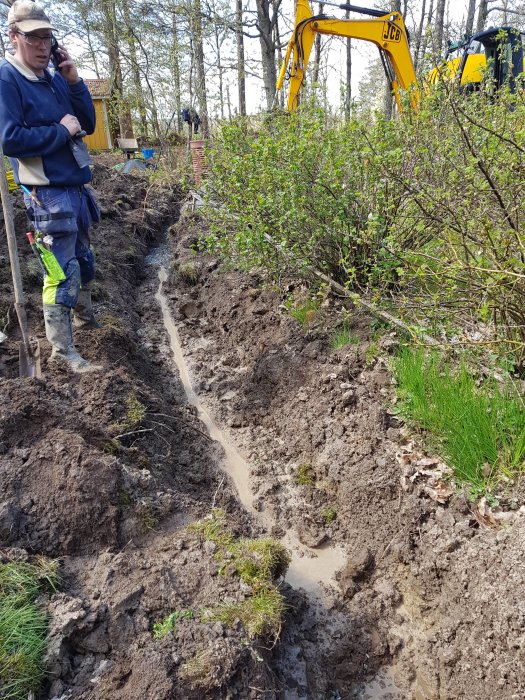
148 152
198 160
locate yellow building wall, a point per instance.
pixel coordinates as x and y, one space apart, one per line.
99 140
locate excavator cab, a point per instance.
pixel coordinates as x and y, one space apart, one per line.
493 56
501 49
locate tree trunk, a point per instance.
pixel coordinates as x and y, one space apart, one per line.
175 70
241 75
470 17
483 11
228 102
439 28
119 111
425 34
91 49
348 86
419 35
219 69
264 25
200 70
153 109
135 70
317 50
505 17
277 43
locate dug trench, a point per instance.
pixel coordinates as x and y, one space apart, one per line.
258 416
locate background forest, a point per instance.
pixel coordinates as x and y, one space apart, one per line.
222 58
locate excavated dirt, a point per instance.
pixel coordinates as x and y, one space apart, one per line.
429 603
106 470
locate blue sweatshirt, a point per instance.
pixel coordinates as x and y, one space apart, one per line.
30 131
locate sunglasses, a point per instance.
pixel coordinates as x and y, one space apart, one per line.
36 39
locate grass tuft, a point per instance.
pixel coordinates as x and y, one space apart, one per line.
259 561
23 626
305 313
189 272
342 336
479 430
214 528
260 614
256 562
372 353
329 514
167 625
305 475
198 668
133 417
110 321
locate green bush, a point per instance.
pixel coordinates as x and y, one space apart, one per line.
422 215
304 185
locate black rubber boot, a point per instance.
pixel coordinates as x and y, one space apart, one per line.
83 316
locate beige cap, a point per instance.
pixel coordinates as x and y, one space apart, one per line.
28 17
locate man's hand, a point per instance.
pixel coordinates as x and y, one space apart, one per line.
71 123
67 66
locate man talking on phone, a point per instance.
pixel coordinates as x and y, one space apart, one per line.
43 115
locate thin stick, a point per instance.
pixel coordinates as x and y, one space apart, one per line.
179 419
133 432
216 492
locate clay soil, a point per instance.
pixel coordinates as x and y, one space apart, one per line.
105 471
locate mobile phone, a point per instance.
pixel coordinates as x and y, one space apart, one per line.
56 56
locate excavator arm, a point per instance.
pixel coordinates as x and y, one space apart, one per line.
384 29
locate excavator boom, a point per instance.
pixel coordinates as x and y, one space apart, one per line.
384 29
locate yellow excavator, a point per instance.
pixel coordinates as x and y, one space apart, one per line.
498 49
495 54
384 29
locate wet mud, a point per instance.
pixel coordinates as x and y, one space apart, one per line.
212 396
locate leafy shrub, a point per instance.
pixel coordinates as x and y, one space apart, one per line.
423 214
304 185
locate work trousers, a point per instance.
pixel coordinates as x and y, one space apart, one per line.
63 216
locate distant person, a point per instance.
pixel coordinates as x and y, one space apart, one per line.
191 117
41 116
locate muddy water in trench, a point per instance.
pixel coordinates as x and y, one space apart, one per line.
309 568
